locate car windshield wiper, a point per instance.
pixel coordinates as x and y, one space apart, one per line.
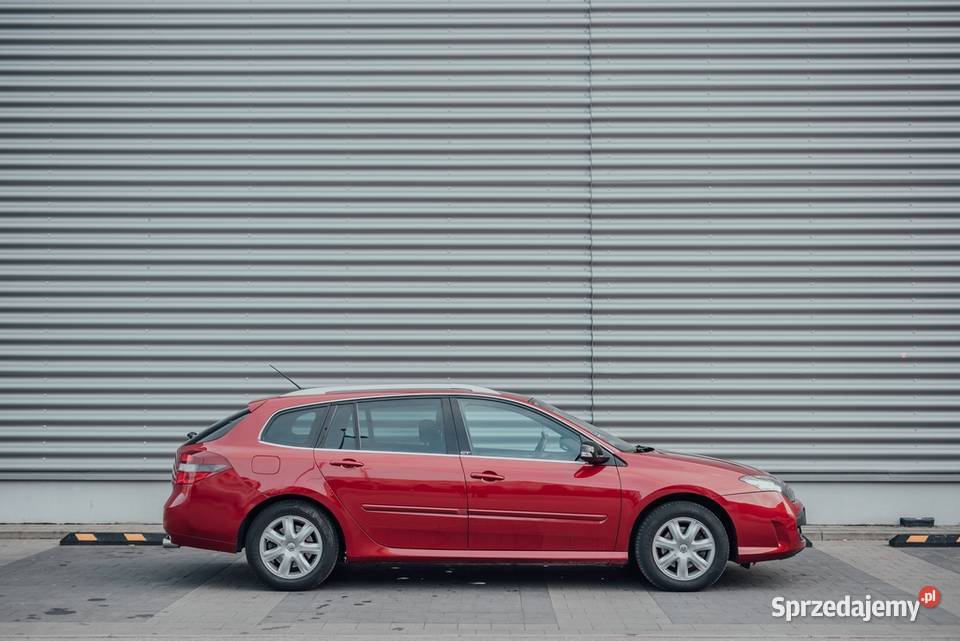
642 448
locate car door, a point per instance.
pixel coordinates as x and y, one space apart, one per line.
526 488
393 464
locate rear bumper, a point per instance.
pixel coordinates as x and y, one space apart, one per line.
198 516
184 540
768 526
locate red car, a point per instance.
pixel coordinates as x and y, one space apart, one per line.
463 474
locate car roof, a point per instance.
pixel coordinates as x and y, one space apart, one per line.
346 392
392 387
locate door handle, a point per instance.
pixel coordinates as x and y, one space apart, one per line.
347 462
486 476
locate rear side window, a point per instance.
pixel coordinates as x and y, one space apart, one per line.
297 428
220 428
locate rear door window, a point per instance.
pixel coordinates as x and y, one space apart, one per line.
403 425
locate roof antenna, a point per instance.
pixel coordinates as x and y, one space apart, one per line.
284 375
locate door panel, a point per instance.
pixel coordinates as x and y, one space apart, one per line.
541 505
525 488
410 499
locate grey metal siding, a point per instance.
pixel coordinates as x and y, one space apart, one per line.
775 216
355 192
725 227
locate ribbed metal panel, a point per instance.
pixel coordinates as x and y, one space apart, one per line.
353 191
726 227
775 218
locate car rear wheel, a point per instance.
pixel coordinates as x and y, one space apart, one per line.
292 546
681 546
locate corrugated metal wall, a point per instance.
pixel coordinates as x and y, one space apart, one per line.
720 227
351 191
775 224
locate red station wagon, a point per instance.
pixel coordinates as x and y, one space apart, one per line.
458 473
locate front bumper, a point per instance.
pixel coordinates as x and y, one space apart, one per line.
768 526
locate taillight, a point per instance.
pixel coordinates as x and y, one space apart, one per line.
196 466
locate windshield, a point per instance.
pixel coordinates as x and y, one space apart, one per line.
616 441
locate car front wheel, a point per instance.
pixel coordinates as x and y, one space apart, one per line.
681 546
292 546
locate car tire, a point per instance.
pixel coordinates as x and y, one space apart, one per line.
709 542
276 558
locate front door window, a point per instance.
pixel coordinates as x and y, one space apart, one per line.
504 430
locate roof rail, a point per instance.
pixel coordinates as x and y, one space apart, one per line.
316 391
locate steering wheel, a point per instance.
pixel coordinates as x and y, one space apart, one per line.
541 445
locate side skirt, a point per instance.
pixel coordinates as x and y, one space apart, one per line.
493 556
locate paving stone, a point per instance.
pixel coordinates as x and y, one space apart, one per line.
906 569
947 558
96 584
744 596
424 594
11 551
163 594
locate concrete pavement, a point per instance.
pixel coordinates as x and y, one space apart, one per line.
122 592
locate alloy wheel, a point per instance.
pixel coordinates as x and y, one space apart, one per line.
290 547
684 548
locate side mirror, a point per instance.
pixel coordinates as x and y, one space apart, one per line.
191 435
592 454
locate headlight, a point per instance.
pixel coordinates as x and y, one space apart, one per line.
769 484
763 483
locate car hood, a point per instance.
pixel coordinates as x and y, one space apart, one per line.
708 461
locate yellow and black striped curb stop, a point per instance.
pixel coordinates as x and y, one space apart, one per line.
926 540
113 538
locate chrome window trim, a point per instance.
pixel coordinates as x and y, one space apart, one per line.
359 399
520 458
453 396
355 399
289 447
391 452
499 458
333 449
